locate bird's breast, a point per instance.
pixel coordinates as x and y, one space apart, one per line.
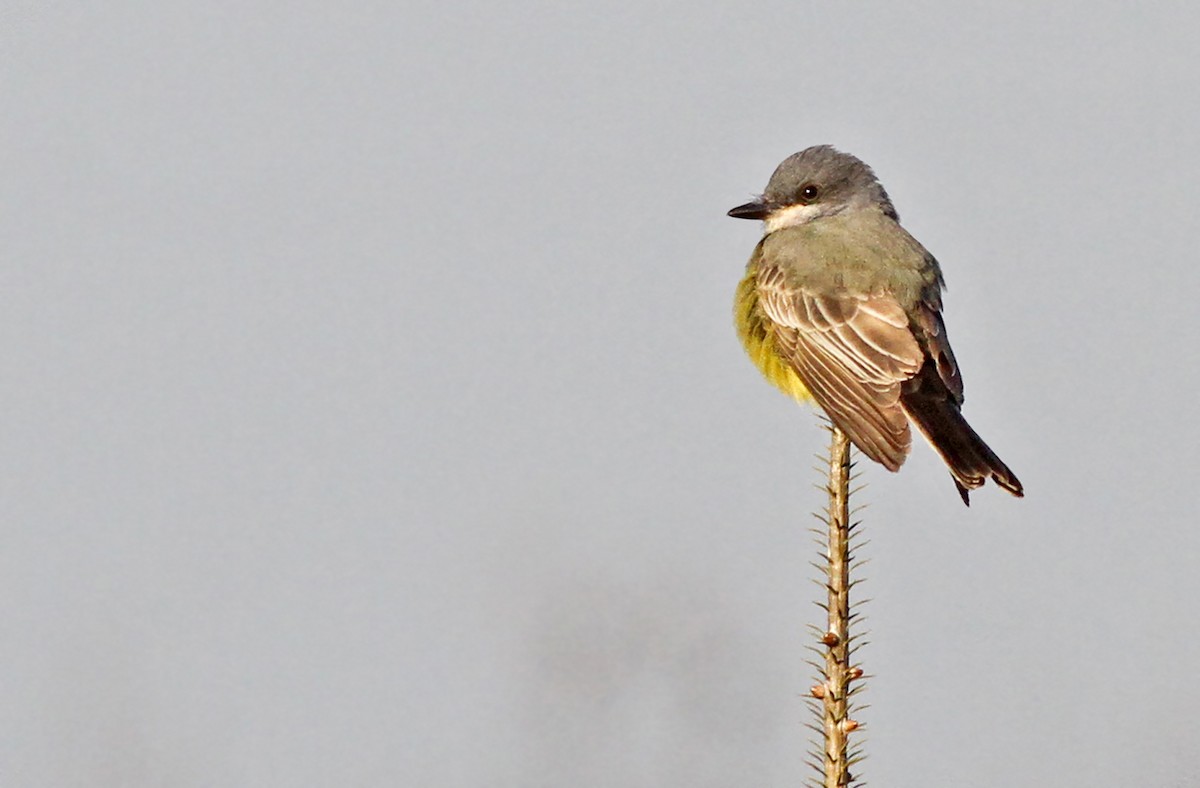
754 329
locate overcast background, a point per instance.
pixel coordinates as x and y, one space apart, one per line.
372 413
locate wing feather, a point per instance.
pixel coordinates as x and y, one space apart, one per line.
853 351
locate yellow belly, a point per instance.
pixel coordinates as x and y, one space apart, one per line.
759 341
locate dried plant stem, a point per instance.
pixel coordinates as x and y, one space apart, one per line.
835 691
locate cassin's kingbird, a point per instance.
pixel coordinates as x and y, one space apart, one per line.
842 306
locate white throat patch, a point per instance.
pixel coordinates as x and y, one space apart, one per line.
790 217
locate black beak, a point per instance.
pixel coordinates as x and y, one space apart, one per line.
751 210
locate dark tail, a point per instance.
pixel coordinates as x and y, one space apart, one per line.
970 460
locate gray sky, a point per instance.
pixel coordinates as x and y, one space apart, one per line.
373 413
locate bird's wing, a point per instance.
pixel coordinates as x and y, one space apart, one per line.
927 318
852 350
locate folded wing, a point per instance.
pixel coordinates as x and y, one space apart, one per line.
853 351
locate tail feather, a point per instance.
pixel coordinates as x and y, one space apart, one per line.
970 460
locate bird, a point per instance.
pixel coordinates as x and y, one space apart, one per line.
841 306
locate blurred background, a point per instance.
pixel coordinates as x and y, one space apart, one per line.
373 415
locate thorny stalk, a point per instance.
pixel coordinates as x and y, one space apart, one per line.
837 671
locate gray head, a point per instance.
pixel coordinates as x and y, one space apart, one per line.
816 182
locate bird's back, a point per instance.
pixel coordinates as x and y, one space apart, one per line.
861 251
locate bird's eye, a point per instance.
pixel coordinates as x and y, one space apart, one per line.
809 192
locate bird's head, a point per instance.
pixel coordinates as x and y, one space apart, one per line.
816 182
